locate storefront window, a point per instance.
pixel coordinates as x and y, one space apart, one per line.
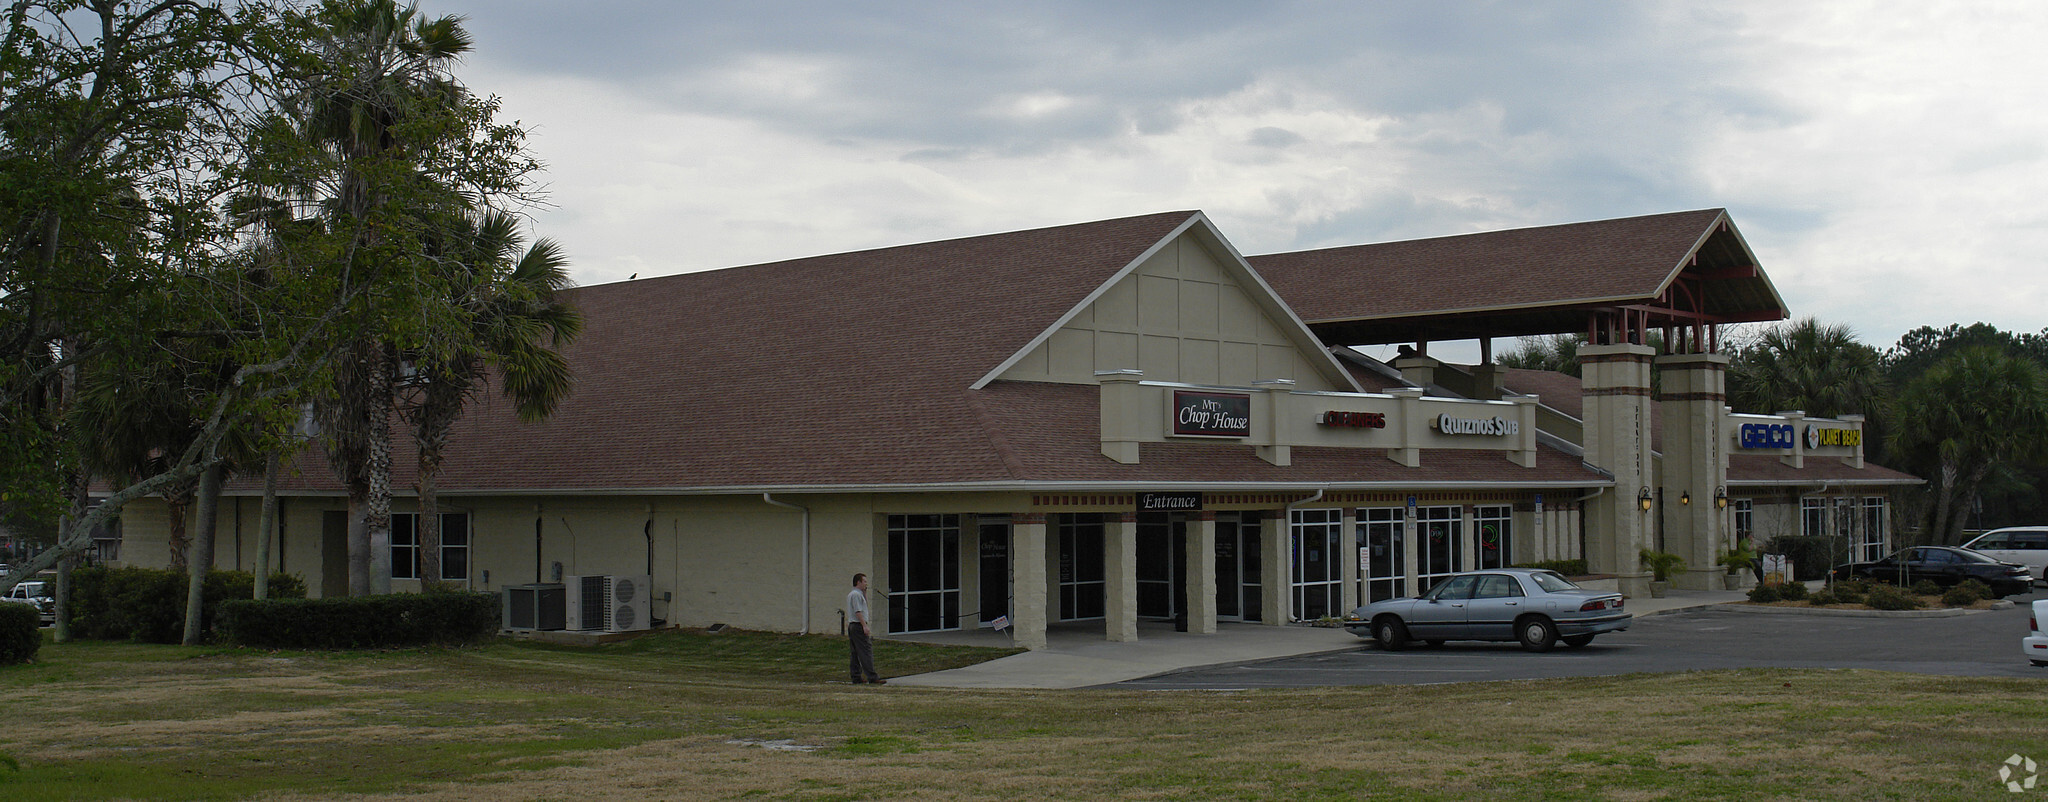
924 572
1318 570
1496 535
1813 517
1441 551
1081 567
1875 535
1745 518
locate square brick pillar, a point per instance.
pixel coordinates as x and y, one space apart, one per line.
1616 381
1276 569
1028 579
1693 396
1200 573
1120 575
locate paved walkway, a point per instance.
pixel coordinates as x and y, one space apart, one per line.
1076 656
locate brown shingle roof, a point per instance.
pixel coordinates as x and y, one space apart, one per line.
842 369
1518 282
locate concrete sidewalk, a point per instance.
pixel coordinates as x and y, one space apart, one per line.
1076 656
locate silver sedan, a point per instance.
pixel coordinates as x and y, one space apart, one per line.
1536 607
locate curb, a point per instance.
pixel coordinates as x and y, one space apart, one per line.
1950 612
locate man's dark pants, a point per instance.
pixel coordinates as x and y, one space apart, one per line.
862 662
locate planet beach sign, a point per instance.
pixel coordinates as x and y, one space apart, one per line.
1200 413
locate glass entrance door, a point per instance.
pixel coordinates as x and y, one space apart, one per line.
995 569
1382 536
1162 544
1237 567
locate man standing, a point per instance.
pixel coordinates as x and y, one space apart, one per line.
859 635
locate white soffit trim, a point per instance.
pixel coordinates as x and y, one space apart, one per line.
1304 339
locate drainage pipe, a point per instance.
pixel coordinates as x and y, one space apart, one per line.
806 571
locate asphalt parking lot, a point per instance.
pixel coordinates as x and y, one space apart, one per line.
1979 644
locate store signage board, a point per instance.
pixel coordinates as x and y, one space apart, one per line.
1169 502
1198 413
1765 435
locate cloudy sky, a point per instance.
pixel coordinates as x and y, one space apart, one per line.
1887 161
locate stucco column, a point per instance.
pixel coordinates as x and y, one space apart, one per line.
1693 395
1616 382
1347 560
1276 569
1200 573
1028 578
1120 569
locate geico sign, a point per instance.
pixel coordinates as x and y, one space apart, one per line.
1766 435
1500 427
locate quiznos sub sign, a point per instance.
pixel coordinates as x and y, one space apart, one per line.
1496 427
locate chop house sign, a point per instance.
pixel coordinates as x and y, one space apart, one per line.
1205 414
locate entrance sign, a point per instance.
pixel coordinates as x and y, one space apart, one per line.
1205 414
1817 437
1169 502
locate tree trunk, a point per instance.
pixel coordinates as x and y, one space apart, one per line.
266 526
178 504
377 503
428 533
202 552
358 545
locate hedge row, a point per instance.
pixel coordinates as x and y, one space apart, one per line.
148 604
20 633
405 619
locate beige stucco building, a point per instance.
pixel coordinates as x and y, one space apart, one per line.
1116 421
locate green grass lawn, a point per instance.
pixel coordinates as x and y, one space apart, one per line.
755 715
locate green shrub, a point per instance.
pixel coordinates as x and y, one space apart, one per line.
1566 567
400 619
1823 599
1855 586
1764 594
148 604
1812 557
1792 591
1982 590
1886 597
1663 565
1926 587
20 633
1960 596
1849 592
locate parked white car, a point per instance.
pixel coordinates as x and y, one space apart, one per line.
38 594
2036 642
2025 545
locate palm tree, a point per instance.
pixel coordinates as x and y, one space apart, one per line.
1809 366
1973 412
517 323
387 70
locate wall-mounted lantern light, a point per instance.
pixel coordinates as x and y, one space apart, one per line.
1685 498
1644 498
1721 498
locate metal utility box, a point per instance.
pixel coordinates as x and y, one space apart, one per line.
536 607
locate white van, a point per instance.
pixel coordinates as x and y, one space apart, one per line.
2025 545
